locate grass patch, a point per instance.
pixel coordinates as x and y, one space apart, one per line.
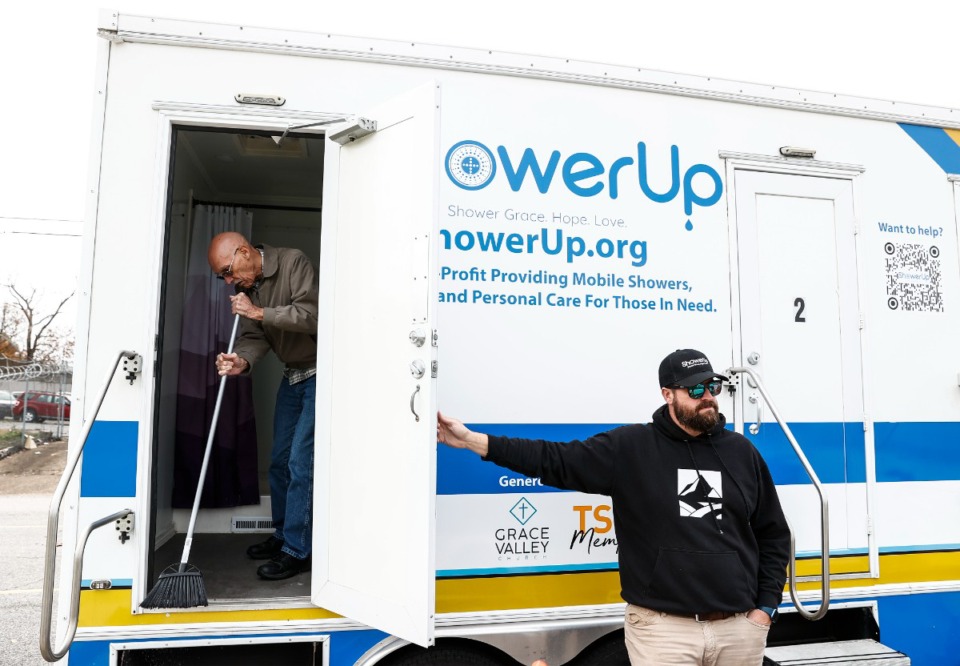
9 437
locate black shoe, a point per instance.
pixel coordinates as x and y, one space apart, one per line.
283 566
265 550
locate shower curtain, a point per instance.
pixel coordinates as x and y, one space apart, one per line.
232 478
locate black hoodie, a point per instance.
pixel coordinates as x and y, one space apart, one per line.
699 524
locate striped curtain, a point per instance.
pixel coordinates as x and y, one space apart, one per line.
232 473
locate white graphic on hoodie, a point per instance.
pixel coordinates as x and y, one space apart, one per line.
700 495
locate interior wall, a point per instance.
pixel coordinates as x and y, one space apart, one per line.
187 179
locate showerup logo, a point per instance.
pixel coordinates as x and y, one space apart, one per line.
470 165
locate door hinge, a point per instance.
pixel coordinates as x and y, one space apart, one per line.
434 337
434 366
862 322
351 131
869 526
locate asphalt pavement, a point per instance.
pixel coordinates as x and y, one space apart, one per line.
47 426
27 481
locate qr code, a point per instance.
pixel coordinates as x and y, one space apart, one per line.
913 277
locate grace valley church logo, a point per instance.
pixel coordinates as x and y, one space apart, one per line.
525 543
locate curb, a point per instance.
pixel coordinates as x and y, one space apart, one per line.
17 448
10 450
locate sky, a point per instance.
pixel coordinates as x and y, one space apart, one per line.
902 52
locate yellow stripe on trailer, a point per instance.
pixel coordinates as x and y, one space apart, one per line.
104 608
111 608
541 591
895 568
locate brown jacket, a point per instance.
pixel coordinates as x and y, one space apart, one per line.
288 295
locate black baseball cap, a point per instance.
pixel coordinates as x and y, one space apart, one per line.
686 367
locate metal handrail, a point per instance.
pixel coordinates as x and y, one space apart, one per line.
53 520
824 512
45 621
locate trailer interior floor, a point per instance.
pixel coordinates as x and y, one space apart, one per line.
228 574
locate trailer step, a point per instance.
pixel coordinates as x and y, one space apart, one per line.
866 652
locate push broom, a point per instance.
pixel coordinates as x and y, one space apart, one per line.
181 585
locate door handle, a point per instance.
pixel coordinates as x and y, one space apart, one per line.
412 398
755 427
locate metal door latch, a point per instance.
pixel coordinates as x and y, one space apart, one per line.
418 337
417 368
124 526
133 366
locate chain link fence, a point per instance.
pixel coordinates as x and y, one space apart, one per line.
25 378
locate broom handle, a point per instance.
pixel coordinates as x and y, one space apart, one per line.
206 456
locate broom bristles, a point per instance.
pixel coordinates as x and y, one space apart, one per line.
177 587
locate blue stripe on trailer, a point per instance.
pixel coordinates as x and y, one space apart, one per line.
110 460
922 626
917 451
90 653
937 144
114 583
822 443
460 472
505 571
921 548
346 647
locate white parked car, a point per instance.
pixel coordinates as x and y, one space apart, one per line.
6 404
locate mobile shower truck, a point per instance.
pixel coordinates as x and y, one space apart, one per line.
518 241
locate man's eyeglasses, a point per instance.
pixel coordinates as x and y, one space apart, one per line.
696 392
227 273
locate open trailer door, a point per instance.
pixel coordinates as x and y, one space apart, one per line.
375 479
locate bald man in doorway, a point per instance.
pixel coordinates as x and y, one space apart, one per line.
276 298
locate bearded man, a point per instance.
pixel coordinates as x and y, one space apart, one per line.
703 542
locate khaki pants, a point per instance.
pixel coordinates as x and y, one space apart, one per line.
655 638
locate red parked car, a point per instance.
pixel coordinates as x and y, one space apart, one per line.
41 406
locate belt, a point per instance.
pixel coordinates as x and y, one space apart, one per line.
708 617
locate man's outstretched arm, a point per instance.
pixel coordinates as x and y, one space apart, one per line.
453 433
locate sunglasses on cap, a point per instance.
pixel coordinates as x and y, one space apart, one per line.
696 392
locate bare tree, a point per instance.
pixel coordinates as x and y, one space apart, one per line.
37 334
10 319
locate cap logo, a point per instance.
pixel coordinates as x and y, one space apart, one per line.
694 362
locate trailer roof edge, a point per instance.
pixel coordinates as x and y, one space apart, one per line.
176 32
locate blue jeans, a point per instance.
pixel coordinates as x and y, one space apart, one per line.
291 466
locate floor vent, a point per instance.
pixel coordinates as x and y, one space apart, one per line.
250 524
